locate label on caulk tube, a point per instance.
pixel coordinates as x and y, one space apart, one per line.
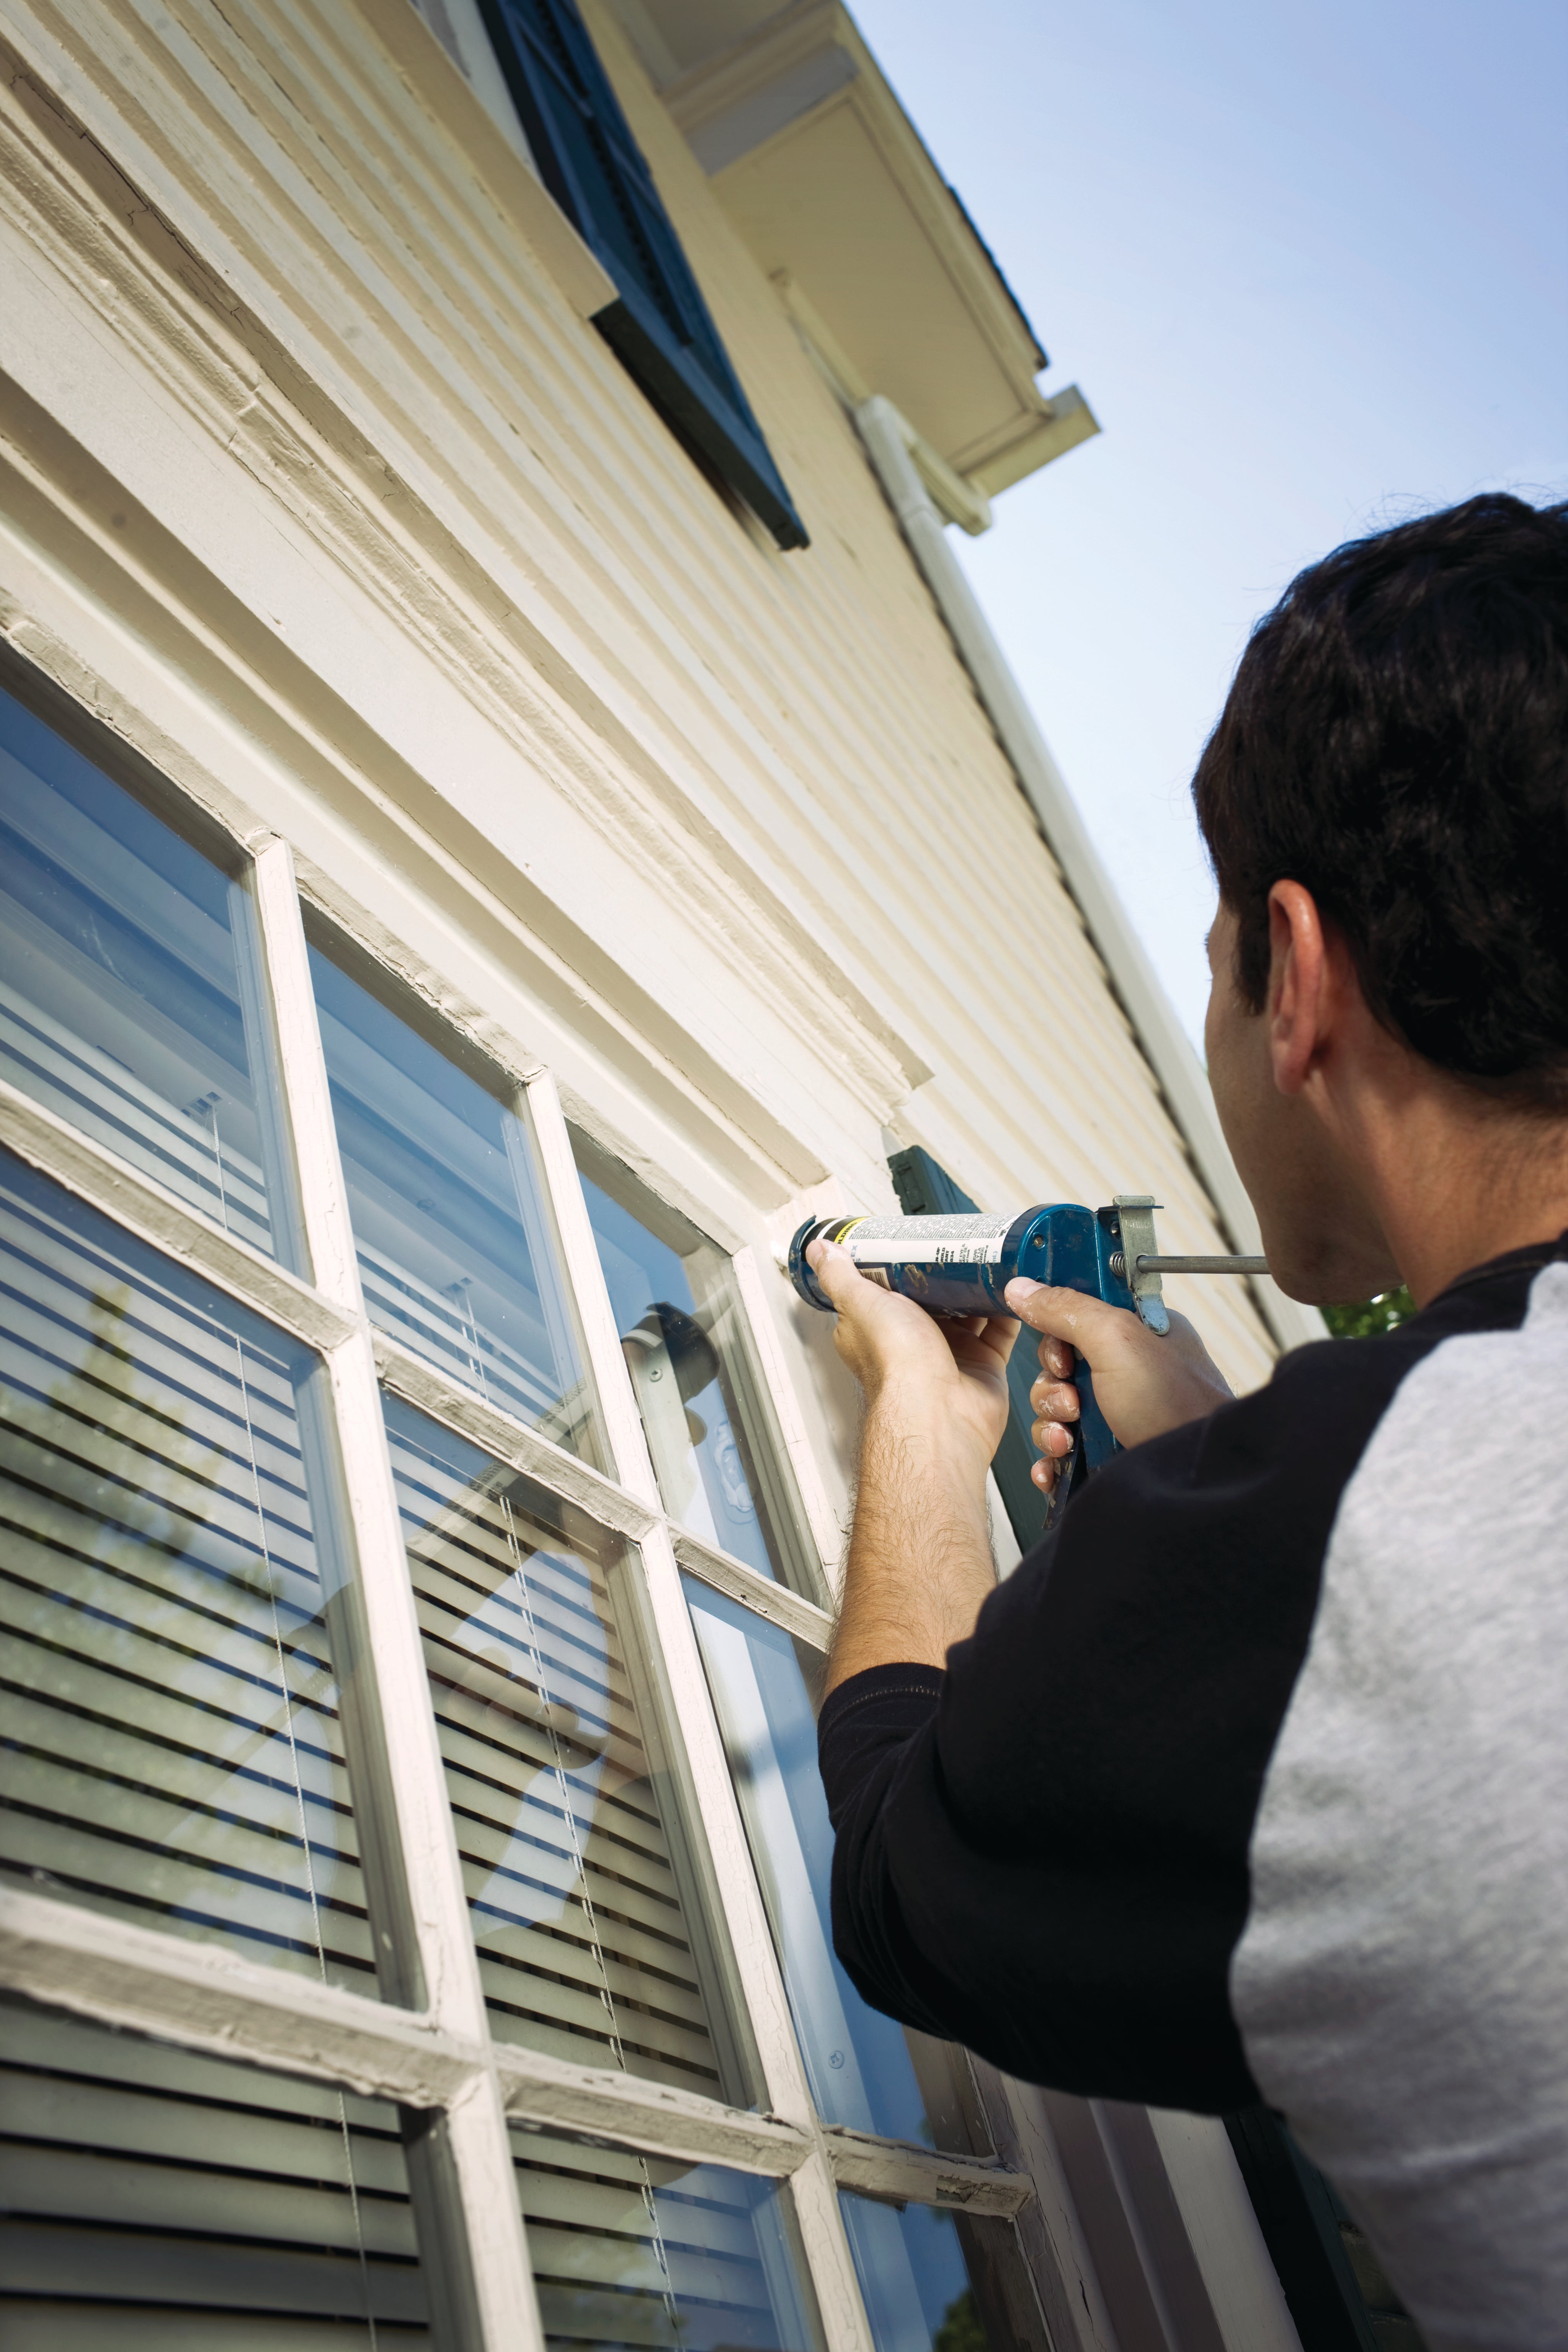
968 1240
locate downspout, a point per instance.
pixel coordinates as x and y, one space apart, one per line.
1155 1025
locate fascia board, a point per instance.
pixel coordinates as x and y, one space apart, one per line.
1068 419
739 75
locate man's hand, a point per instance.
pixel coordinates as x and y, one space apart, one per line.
953 1373
920 1558
1143 1383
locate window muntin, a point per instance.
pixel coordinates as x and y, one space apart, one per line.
174 1752
589 1934
160 2200
633 2249
693 1371
455 1250
129 988
865 2072
278 1377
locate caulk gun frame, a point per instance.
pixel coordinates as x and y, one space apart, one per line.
1189 1264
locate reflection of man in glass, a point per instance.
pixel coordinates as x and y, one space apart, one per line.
1232 1788
671 1360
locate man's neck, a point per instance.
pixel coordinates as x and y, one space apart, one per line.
1459 1181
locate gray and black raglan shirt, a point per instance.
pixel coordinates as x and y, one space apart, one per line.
1253 1781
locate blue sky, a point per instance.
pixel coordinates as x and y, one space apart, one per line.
1309 267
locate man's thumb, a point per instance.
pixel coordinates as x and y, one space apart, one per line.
834 1267
1060 1314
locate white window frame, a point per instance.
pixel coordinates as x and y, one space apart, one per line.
444 2057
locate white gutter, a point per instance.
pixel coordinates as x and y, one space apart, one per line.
888 438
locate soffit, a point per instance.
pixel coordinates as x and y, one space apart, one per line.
829 183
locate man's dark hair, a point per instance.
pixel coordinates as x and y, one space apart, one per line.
1397 741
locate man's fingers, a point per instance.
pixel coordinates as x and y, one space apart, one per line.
1055 1400
837 1273
1051 1437
999 1332
1062 1314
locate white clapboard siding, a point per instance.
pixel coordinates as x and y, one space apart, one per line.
750 803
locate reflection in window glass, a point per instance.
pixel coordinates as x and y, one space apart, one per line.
917 2282
455 1250
173 1750
126 1003
686 1346
632 2251
865 2070
575 1887
162 2202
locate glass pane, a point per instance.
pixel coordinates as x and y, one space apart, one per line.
708 1423
173 1750
865 2070
631 2251
161 2201
121 1005
577 1886
455 1246
937 2282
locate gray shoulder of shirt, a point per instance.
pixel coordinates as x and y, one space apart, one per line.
1401 1982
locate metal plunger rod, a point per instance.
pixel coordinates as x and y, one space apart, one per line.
1188 1266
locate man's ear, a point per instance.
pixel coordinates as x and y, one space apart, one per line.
1298 1006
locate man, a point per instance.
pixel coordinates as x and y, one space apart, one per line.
1252 1780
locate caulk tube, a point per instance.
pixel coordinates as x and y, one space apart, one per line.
960 1266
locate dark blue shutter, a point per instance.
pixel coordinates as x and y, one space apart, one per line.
1332 2281
660 326
926 1190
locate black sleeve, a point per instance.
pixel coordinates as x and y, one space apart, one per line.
1042 1854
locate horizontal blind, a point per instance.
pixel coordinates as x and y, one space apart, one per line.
583 1943
455 1250
173 1750
183 1149
639 2251
158 2201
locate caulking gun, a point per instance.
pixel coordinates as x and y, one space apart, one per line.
961 1265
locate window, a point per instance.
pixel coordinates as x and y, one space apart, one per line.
698 1389
867 2072
449 1219
660 326
637 2250
580 1908
174 1749
158 2201
340 1659
129 1000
